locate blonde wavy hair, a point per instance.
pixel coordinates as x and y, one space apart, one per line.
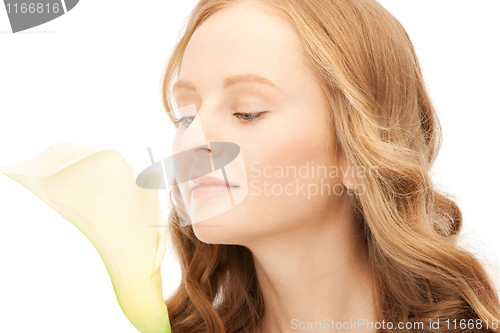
381 117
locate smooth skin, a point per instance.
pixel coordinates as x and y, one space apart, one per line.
309 253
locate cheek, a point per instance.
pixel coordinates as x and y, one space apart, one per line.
280 170
293 147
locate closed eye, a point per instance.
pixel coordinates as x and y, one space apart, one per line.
245 117
186 121
248 117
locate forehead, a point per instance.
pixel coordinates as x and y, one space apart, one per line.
243 38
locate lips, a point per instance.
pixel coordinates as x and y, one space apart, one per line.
208 181
207 187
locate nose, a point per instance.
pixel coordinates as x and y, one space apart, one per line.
204 145
198 140
205 129
197 151
195 135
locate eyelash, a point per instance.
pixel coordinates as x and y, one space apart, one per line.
182 120
256 115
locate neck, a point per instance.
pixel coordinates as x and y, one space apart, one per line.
315 274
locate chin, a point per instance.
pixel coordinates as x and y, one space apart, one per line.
212 231
225 228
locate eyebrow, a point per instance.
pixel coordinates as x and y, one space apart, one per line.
229 81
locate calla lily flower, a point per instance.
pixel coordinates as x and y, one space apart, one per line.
96 191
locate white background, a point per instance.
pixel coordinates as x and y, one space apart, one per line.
93 76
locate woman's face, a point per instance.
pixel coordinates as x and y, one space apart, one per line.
287 130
